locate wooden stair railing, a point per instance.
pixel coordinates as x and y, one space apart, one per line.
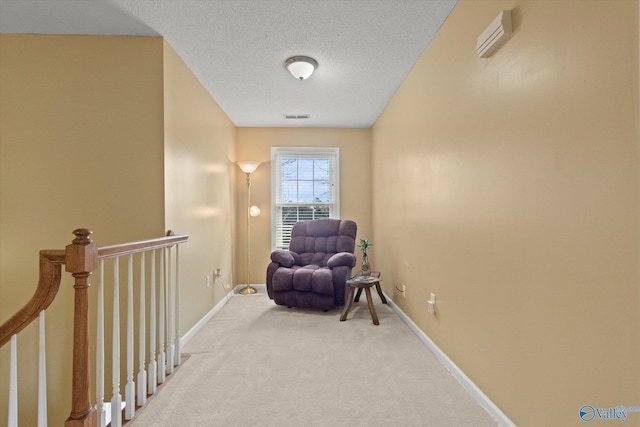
51 262
80 258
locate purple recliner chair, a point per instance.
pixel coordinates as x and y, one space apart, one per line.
312 274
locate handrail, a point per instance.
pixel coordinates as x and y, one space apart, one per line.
48 284
141 246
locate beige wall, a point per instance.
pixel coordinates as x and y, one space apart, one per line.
508 186
199 150
355 185
80 146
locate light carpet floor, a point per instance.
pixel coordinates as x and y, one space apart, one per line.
258 364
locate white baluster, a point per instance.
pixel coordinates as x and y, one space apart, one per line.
130 387
100 407
161 323
153 377
42 375
170 350
12 410
116 400
176 359
142 373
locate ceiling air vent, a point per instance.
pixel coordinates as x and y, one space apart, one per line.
297 116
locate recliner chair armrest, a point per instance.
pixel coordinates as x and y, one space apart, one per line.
342 258
285 258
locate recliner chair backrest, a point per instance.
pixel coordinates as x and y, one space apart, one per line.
317 240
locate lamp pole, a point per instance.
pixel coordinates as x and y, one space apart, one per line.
248 289
248 168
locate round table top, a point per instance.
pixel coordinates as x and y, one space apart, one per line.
362 281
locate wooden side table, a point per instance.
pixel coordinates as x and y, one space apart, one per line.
373 274
360 283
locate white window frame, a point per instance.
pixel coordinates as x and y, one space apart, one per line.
332 153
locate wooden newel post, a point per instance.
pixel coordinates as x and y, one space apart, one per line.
81 259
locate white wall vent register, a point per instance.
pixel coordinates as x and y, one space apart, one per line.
495 35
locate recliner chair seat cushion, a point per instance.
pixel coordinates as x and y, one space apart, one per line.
308 278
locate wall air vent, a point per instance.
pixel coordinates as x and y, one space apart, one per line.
297 116
495 35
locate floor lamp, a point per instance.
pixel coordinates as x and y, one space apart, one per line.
248 168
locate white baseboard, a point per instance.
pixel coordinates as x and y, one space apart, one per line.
464 380
196 328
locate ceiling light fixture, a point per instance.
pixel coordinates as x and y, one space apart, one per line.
301 67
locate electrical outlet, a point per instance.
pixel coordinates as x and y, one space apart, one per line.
431 304
208 282
404 291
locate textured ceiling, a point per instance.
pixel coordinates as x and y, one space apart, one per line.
365 48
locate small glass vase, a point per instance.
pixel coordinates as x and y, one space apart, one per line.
366 268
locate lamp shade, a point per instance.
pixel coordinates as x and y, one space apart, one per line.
248 167
301 67
254 211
